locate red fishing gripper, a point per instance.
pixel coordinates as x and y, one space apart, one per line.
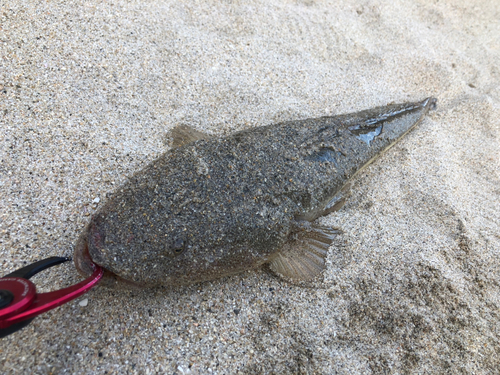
20 303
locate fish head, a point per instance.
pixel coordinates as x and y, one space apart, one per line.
134 252
108 240
91 238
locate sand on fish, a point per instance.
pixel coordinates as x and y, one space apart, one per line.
88 92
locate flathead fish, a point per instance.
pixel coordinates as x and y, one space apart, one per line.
212 207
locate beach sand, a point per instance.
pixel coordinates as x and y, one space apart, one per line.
88 92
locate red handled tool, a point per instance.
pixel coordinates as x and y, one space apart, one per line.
20 303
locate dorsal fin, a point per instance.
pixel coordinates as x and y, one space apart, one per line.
303 256
181 135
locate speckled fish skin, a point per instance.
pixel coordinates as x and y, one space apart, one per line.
220 206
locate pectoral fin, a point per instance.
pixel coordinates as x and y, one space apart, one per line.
338 201
303 256
183 134
332 205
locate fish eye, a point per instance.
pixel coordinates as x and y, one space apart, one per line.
178 246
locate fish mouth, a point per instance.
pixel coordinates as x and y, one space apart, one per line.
85 265
81 256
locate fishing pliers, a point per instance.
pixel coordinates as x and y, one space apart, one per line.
20 303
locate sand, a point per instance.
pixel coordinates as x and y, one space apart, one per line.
88 92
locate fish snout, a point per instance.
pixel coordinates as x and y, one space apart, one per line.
96 236
91 241
81 256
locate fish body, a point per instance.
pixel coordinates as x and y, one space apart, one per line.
212 207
